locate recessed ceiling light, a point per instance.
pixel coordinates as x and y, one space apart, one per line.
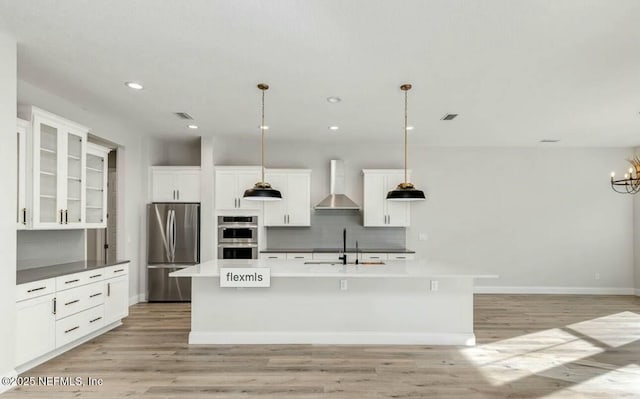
334 128
134 85
448 117
192 126
410 127
549 140
334 99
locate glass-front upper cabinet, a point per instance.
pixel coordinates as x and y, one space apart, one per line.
75 176
59 149
96 172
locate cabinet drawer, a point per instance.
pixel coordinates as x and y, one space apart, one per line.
402 256
35 289
299 256
351 256
117 270
75 300
94 318
76 279
70 329
281 256
325 256
373 256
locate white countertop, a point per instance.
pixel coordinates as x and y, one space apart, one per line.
293 268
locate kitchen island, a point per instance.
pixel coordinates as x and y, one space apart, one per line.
399 302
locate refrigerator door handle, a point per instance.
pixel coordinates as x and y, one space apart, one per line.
172 234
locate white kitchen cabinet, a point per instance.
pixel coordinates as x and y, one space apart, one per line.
116 301
378 211
273 256
59 159
175 184
23 211
61 311
35 328
96 186
295 207
231 183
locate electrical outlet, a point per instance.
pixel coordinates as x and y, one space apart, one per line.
423 236
596 276
343 285
435 285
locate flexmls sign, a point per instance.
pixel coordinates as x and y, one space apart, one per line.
246 277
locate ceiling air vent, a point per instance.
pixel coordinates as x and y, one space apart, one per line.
549 140
448 117
184 115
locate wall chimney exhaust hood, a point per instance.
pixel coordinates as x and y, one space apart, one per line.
337 199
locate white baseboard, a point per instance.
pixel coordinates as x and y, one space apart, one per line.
556 290
11 375
137 299
48 356
357 338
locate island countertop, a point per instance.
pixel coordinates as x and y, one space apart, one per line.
305 269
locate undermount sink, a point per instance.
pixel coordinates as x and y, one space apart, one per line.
334 263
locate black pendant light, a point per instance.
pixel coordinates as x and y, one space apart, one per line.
262 191
405 190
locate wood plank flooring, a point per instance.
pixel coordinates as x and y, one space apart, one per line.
529 346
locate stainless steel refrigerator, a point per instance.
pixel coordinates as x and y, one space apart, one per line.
173 243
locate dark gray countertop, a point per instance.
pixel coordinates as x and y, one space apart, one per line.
330 250
41 273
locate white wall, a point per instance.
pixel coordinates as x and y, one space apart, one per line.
8 164
539 217
132 174
174 152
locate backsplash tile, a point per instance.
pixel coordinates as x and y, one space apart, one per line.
38 248
326 232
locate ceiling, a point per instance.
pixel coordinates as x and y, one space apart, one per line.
515 71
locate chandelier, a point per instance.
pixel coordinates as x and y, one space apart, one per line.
631 182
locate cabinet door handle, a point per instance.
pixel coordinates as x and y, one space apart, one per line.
401 257
72 302
55 305
72 281
273 257
178 195
95 275
36 289
288 219
66 216
95 295
71 329
118 271
108 289
374 257
389 219
61 216
96 319
24 216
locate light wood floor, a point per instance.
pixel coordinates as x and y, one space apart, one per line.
528 347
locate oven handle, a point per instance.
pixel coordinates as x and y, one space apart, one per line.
238 245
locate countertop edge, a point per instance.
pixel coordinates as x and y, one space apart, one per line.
58 270
331 250
195 272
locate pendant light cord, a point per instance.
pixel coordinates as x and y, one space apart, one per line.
405 137
262 130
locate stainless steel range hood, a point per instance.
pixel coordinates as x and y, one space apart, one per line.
337 199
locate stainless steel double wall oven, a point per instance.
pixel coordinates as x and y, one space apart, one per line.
237 237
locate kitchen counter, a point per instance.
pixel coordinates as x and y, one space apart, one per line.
401 302
44 272
331 250
405 269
